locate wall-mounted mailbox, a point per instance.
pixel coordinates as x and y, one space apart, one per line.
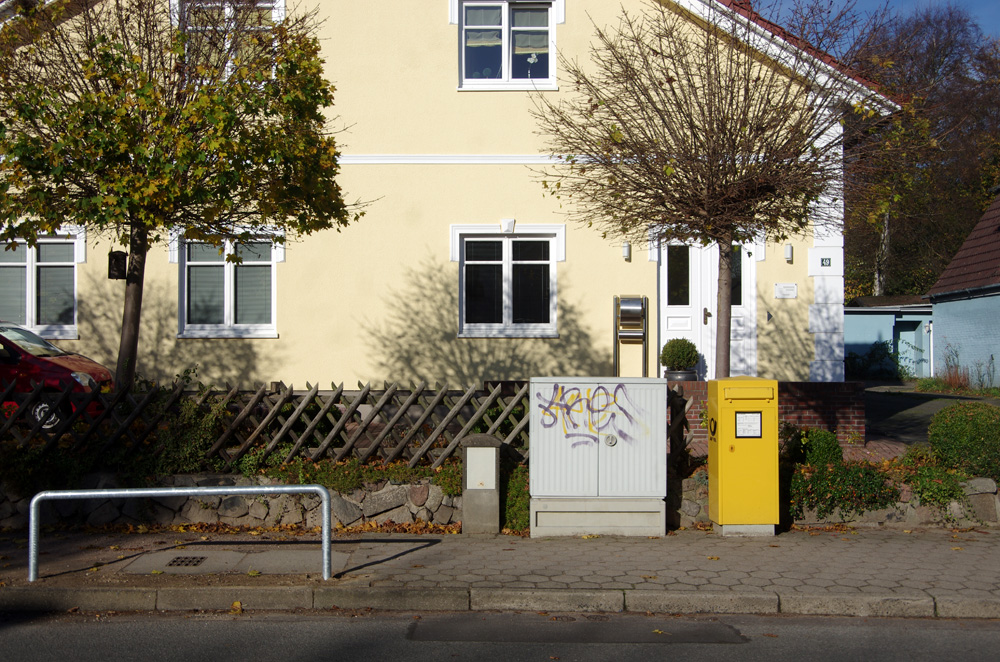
631 316
117 265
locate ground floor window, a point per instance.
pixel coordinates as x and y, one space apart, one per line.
507 284
226 298
38 284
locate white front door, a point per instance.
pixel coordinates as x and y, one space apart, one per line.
689 277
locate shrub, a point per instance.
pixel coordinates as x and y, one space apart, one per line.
679 354
851 487
27 470
936 486
966 436
449 478
821 448
348 475
515 497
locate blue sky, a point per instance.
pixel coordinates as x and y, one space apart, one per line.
986 12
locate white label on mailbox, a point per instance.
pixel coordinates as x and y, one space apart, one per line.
748 424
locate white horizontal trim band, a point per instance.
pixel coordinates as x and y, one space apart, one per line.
447 159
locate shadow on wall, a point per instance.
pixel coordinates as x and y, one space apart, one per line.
786 340
418 339
162 355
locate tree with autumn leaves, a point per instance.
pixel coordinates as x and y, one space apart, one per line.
145 120
932 165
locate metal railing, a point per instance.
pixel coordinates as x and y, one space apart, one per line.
34 523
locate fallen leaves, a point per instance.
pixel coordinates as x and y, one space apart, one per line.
236 608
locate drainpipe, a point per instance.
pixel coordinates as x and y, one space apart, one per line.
929 330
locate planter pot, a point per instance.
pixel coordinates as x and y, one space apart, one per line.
680 375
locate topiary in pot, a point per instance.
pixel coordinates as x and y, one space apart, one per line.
679 355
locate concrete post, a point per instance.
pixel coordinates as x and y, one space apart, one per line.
481 484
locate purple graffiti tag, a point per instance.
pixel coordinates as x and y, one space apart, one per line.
584 416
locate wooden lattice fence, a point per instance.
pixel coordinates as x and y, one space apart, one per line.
416 424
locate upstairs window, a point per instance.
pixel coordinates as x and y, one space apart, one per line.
221 32
508 45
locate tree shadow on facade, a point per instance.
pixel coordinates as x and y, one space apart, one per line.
162 355
418 338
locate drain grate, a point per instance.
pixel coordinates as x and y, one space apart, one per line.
187 561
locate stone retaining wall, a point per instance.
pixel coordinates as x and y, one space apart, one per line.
407 503
385 501
981 508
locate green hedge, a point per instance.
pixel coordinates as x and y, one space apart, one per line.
966 436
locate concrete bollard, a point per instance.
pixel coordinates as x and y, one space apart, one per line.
481 484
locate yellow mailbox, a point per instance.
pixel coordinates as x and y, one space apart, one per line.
743 455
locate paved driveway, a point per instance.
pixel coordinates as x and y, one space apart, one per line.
896 417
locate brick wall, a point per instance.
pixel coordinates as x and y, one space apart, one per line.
837 406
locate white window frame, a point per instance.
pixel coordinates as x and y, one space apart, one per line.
67 234
228 329
555 234
557 14
277 7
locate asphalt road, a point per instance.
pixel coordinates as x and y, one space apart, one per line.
354 636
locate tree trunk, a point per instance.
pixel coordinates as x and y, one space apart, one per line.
881 258
724 310
128 348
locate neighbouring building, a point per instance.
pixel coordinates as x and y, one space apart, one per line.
966 302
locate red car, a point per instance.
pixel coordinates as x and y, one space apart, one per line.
27 358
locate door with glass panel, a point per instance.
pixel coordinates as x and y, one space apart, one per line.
689 278
684 312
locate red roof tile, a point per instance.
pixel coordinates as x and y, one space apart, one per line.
745 9
977 263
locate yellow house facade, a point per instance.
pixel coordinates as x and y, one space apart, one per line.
462 269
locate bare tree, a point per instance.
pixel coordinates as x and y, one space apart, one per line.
716 129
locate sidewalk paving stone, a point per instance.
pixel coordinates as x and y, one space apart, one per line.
867 572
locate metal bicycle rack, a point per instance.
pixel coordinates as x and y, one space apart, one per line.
631 314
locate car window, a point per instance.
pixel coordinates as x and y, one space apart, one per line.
31 343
